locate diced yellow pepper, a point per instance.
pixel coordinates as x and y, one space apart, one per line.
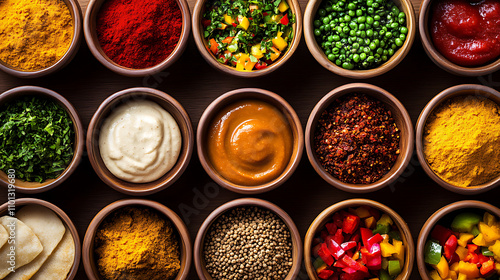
464 239
275 54
361 211
385 220
319 269
489 219
256 51
370 222
490 233
400 251
495 248
454 267
469 269
283 6
435 275
356 255
279 43
442 267
228 19
462 252
222 26
462 276
244 22
240 65
497 268
453 275
480 241
249 65
387 249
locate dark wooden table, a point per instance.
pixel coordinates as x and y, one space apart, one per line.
302 82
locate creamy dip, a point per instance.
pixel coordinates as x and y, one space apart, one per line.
140 142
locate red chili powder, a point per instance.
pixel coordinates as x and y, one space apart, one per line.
139 34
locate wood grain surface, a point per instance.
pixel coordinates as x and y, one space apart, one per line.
302 82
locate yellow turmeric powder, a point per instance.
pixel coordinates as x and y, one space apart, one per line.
34 34
462 141
137 243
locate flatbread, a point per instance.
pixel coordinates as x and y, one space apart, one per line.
4 236
49 229
28 246
58 265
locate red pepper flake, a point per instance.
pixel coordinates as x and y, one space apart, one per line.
356 139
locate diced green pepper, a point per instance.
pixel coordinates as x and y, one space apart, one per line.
382 229
464 222
318 263
486 252
385 220
475 231
395 235
394 268
432 254
383 275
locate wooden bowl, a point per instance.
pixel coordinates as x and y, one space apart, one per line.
250 202
438 58
319 54
76 14
35 187
89 27
401 118
18 203
168 103
465 89
324 216
88 243
201 43
445 213
242 94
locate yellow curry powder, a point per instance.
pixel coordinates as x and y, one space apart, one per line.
34 34
462 141
137 243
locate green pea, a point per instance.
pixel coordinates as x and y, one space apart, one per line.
330 38
401 15
322 28
355 58
362 26
326 20
327 27
362 56
366 50
345 29
353 25
373 46
331 57
336 38
403 30
322 12
369 20
398 42
359 12
370 10
376 24
328 52
395 10
351 6
390 52
347 65
338 62
347 18
338 45
384 58
382 32
369 3
362 34
328 9
388 34
385 52
317 32
375 5
335 50
402 37
394 25
328 44
376 17
369 33
401 20
380 51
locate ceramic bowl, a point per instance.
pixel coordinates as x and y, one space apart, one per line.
170 105
19 203
89 261
318 53
256 94
446 214
438 58
76 14
465 89
201 43
327 214
401 118
89 27
35 187
199 261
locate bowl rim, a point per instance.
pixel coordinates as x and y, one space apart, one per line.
240 94
434 219
322 59
187 139
64 218
182 231
439 59
458 90
76 13
325 102
329 211
209 58
95 48
249 202
77 126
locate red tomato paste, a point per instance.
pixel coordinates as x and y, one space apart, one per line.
467 33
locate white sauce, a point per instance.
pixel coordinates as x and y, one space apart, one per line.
140 142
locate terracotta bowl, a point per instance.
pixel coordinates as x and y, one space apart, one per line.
170 105
257 94
201 43
89 27
250 202
438 58
327 214
318 53
401 118
466 89
88 243
19 203
35 187
76 14
447 213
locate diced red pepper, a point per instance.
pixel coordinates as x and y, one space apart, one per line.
264 13
454 258
335 276
340 263
350 223
358 275
473 248
250 18
338 237
450 246
213 46
284 20
350 253
325 274
205 22
365 235
355 237
337 219
377 238
352 263
472 258
373 258
323 234
325 254
441 234
335 249
234 24
346 246
487 267
228 40
330 227
482 259
349 270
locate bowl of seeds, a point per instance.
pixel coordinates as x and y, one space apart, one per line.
359 138
248 238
